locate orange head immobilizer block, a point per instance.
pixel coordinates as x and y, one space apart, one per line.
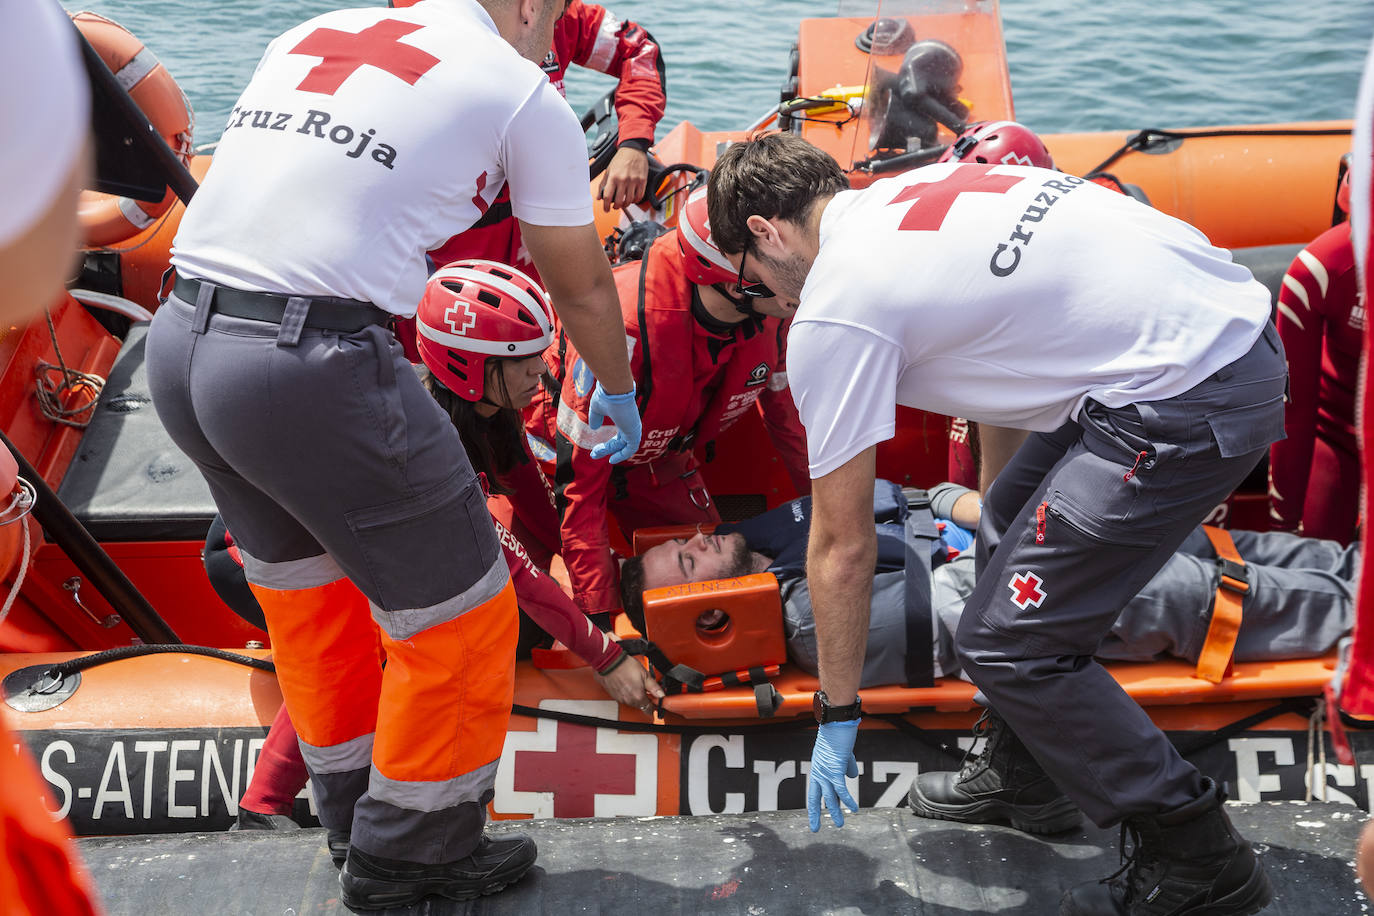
719 625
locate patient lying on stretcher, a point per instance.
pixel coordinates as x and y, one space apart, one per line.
1298 603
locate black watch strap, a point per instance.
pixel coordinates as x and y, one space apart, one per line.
824 712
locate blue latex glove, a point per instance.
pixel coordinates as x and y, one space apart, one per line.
832 759
622 410
955 537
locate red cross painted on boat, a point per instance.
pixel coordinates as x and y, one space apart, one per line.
934 198
343 53
574 772
1026 591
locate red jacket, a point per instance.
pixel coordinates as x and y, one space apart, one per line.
1321 320
692 385
590 36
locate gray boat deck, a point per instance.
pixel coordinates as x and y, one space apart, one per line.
883 861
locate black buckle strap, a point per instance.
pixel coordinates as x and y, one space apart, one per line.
1235 577
326 312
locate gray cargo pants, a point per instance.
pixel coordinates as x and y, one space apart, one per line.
1077 523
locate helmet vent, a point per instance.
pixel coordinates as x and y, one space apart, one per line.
453 286
526 318
487 297
500 273
460 372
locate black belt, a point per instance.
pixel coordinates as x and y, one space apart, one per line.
326 312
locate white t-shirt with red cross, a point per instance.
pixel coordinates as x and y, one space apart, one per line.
367 137
1007 295
45 111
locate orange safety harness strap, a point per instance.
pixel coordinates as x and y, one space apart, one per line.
1214 662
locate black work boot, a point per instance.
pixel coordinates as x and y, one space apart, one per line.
374 883
256 820
1004 783
1186 861
337 841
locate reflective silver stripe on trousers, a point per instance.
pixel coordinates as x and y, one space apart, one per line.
291 575
351 755
405 624
433 796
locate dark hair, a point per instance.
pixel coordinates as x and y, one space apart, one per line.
777 175
493 443
632 591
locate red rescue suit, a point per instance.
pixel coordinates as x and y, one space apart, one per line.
1314 474
590 36
692 384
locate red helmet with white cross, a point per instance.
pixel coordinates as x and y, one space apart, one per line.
473 310
999 143
702 260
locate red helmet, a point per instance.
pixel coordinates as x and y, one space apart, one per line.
702 259
475 309
1000 143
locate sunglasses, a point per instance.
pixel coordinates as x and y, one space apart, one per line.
747 289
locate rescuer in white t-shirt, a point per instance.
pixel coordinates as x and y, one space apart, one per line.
1139 360
365 138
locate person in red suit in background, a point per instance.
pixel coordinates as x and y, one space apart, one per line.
590 36
1314 474
702 358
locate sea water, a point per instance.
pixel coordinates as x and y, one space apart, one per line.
1075 66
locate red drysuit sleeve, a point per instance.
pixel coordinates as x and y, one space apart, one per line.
595 38
584 482
540 597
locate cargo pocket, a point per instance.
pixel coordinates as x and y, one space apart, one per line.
1242 430
426 549
1107 520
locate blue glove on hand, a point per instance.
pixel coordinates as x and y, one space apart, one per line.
622 410
832 759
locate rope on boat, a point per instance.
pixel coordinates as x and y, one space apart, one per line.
51 394
1143 140
1299 705
68 668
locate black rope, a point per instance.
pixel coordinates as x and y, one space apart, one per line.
1144 139
915 732
1303 706
572 718
68 668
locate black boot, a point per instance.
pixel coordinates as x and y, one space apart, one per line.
1186 861
256 820
374 883
337 841
1004 783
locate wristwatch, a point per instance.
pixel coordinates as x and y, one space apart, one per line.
820 705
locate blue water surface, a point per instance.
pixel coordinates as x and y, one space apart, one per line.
1075 65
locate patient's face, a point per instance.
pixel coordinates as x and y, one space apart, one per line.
696 559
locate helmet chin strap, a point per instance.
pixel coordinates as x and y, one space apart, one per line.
743 304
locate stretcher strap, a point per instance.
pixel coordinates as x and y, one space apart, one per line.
1215 661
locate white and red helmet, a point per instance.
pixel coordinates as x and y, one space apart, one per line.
999 143
476 309
703 261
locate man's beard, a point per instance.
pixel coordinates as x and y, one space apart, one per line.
789 273
741 562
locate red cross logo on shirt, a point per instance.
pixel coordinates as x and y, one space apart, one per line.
343 53
574 772
469 318
1026 591
934 198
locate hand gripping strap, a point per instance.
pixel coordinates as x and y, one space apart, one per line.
1215 662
